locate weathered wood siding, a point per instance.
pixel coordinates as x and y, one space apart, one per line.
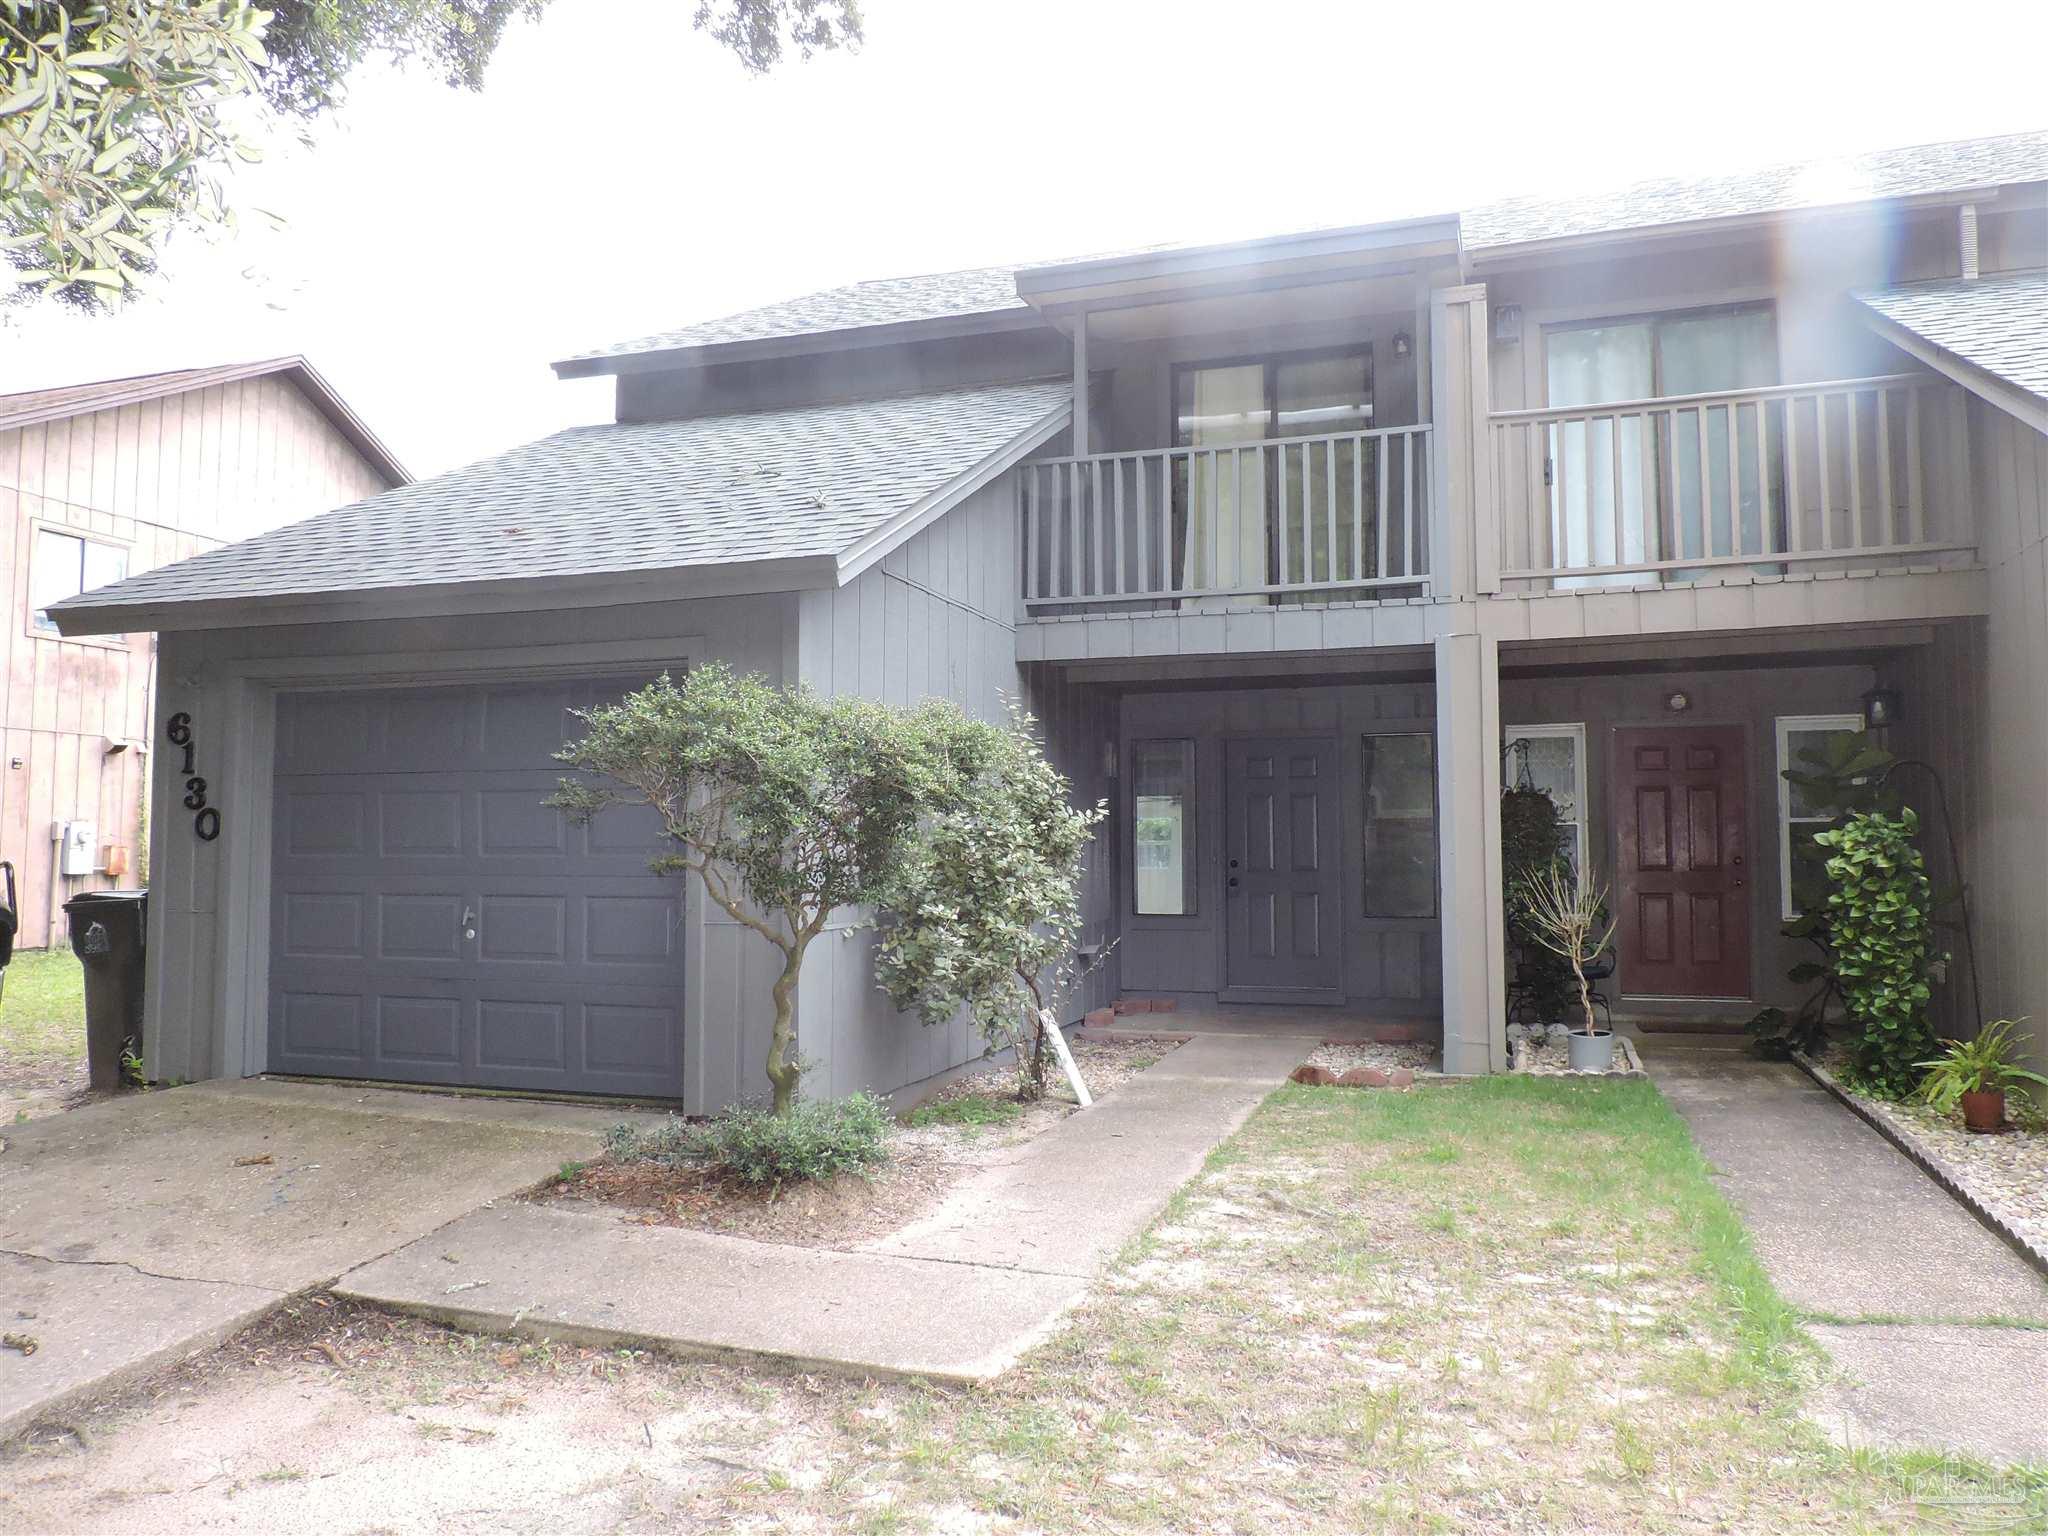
1976 707
934 620
164 479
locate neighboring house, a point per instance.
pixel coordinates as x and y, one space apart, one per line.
1284 541
103 481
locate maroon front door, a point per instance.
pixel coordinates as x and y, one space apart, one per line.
1682 865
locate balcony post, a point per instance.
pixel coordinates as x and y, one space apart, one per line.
1465 525
1469 864
1081 385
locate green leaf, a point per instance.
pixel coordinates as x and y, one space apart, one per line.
114 154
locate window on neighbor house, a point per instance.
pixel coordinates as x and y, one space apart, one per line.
66 564
1800 814
1163 827
1556 759
1400 825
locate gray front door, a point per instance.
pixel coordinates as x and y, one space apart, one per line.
1281 865
433 922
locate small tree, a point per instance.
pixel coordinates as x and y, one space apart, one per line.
987 912
786 805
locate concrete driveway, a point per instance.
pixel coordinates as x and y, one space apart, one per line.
137 1230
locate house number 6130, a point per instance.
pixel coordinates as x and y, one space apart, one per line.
205 818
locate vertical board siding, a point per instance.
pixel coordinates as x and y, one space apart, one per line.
1976 708
165 479
932 619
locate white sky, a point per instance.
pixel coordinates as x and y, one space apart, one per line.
621 175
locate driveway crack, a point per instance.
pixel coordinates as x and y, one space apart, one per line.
148 1274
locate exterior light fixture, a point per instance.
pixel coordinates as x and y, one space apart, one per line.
1881 707
1678 703
1404 345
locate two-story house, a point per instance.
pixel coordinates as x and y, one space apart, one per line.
103 480
1288 543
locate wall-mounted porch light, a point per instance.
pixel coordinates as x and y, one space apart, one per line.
1882 707
1404 344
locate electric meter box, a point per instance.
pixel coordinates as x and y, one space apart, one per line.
78 847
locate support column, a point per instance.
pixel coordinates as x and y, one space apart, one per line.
1469 867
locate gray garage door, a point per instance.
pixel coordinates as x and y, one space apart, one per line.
433 922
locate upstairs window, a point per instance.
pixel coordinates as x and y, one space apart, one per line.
66 564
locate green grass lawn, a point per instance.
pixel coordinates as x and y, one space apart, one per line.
1507 1305
42 1010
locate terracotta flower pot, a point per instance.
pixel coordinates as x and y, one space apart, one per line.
1984 1111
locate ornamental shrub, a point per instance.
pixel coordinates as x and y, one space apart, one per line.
1880 908
812 1139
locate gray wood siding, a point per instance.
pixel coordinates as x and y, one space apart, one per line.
933 620
1391 965
209 901
1752 698
1976 706
163 479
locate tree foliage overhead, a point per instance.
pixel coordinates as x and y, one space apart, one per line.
114 118
117 116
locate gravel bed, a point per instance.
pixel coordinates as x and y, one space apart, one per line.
1414 1055
1548 1057
2007 1173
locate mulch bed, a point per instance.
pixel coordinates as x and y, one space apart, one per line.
924 1162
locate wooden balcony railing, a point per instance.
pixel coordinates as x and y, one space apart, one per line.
1857 469
1335 517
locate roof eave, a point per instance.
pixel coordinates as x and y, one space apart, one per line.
160 386
853 338
2023 404
1401 242
914 519
1503 253
742 578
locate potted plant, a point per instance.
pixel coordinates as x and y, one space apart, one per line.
1565 915
1974 1074
1532 840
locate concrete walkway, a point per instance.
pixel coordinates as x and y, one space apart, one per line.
137 1230
1911 1295
957 1296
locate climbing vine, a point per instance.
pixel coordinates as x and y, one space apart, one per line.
1880 911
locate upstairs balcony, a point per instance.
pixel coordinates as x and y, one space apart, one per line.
1849 475
1339 517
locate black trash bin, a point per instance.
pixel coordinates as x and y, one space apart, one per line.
106 935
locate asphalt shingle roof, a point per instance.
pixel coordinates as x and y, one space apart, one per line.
1911 172
622 498
1998 324
933 296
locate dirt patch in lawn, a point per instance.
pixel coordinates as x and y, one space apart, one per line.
969 1123
1506 1306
